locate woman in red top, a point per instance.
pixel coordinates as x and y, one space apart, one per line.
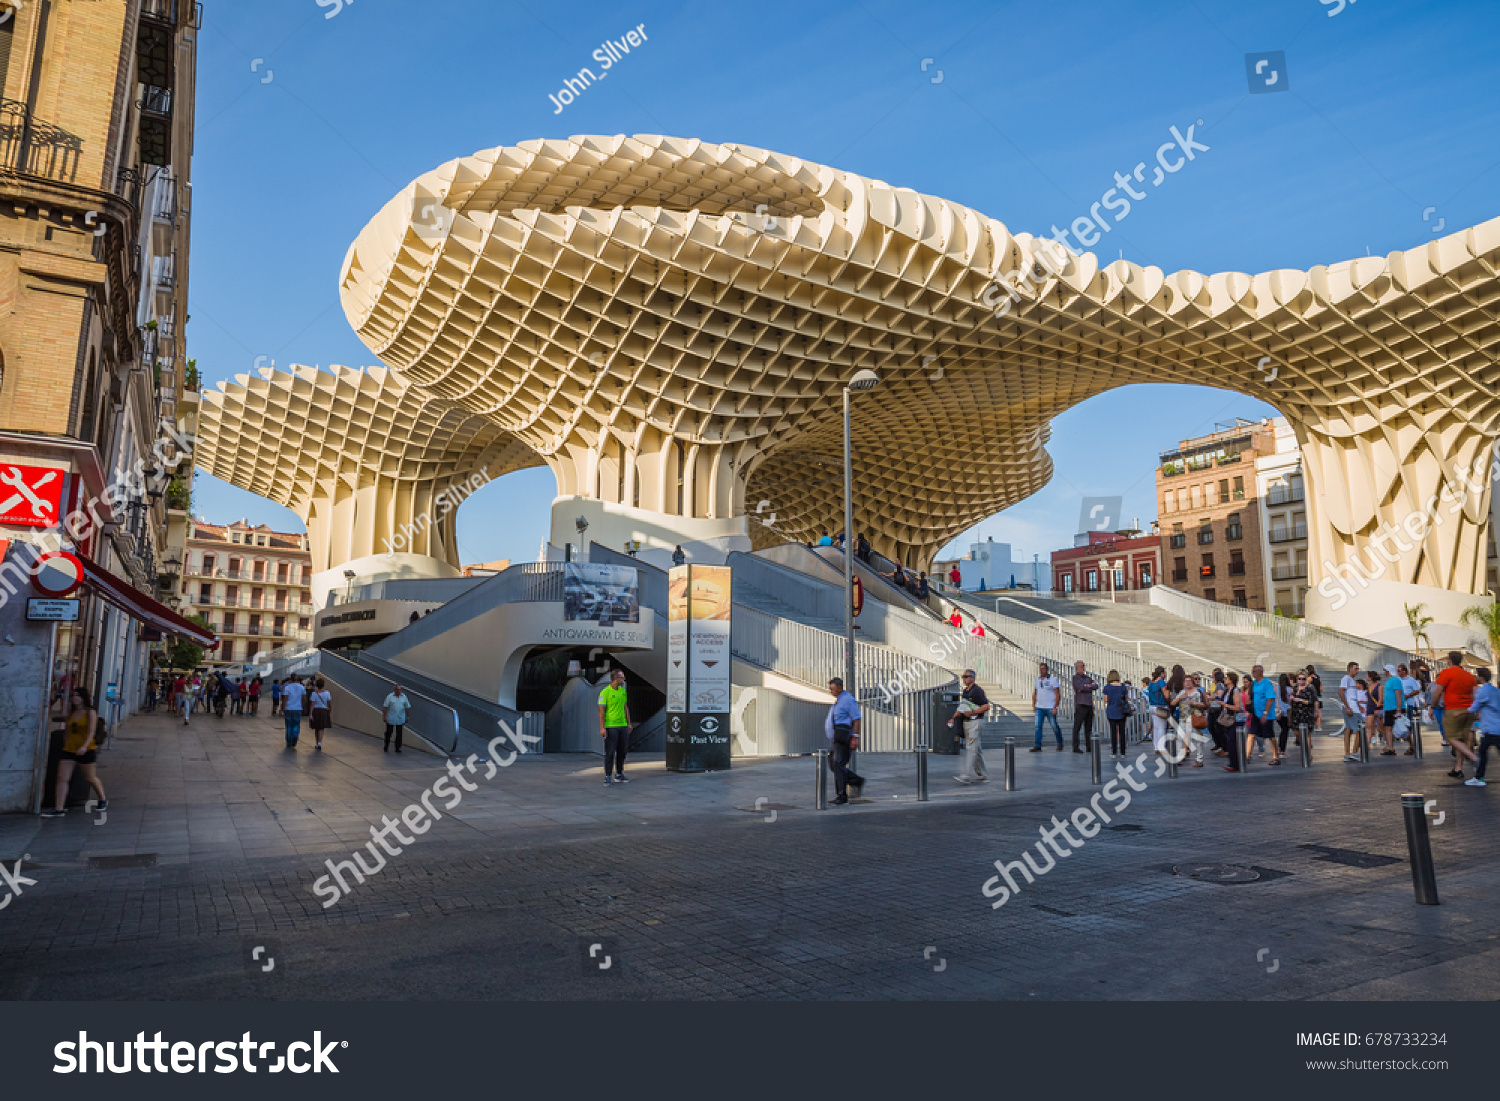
254 695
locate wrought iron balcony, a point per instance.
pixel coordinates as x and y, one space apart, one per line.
30 146
1285 495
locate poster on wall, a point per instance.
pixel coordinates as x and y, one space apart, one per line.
596 592
677 641
699 607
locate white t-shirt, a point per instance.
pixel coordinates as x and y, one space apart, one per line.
323 698
1046 692
291 696
1347 690
1413 689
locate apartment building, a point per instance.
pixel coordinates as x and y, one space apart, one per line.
96 133
252 584
1207 493
1283 508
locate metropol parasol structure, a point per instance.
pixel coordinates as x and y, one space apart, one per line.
668 325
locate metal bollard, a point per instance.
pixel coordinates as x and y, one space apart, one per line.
1010 764
1416 738
921 774
1305 733
1364 743
820 794
1419 848
1096 763
1174 748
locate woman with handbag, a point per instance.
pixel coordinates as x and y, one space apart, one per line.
1192 703
1160 708
1232 720
80 750
1283 709
322 711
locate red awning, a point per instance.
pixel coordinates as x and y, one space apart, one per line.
149 611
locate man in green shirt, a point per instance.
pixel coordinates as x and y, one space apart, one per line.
615 726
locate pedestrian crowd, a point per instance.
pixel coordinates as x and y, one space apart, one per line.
1230 717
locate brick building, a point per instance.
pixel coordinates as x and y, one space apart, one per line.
1105 563
252 584
1212 545
96 133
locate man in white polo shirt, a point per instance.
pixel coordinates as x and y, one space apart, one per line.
1044 695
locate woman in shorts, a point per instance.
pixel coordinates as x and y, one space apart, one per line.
322 711
79 751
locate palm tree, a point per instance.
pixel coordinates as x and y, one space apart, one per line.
1419 624
1485 617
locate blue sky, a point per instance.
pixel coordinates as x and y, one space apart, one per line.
307 125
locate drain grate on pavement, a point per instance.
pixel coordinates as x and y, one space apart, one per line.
1124 828
1217 873
1352 858
133 860
1226 874
768 806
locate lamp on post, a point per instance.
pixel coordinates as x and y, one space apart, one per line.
861 382
349 587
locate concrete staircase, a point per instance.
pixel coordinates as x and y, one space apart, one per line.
1163 636
753 597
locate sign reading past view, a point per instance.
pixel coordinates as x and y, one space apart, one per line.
699 602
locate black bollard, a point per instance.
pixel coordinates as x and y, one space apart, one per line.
820 794
1419 848
921 774
1010 764
1306 738
1416 738
1364 743
1096 762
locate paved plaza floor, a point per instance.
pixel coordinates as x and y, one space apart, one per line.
1279 884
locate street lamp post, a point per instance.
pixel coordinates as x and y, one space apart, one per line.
862 381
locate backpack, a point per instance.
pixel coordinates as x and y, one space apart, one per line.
101 733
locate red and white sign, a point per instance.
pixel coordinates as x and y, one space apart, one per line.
30 496
57 574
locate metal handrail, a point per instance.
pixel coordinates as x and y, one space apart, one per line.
1294 632
432 720
1136 642
895 690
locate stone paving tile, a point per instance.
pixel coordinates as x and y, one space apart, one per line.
701 899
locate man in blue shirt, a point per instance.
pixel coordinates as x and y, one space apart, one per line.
842 728
1486 708
1392 703
1262 715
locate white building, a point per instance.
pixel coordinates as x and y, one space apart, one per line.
990 565
1283 522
